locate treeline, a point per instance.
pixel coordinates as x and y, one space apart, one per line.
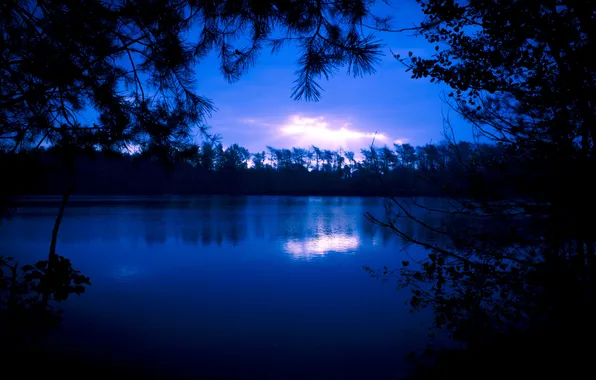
403 170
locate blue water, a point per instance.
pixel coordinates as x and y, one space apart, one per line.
240 287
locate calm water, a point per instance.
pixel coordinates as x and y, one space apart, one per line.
271 287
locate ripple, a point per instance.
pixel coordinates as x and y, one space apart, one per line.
126 274
321 245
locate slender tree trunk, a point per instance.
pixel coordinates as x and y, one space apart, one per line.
52 253
69 165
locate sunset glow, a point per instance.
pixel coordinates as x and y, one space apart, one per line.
328 134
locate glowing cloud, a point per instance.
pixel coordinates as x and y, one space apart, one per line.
308 130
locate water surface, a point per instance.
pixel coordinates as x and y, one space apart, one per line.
240 287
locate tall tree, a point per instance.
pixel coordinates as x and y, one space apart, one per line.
207 156
317 156
258 160
521 73
299 157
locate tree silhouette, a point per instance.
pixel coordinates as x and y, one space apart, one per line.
206 168
132 63
115 76
518 259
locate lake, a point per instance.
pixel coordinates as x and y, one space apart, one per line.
265 287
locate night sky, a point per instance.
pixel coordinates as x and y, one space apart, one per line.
258 110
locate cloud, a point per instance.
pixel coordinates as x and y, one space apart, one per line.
331 131
305 131
248 120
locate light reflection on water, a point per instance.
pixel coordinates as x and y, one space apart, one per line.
250 284
321 245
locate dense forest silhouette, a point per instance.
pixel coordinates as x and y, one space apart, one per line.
403 170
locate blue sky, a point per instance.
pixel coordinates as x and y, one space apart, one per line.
258 110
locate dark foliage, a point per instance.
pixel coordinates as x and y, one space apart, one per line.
523 267
131 64
28 295
25 295
111 74
429 170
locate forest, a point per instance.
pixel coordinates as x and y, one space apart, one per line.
209 168
514 279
